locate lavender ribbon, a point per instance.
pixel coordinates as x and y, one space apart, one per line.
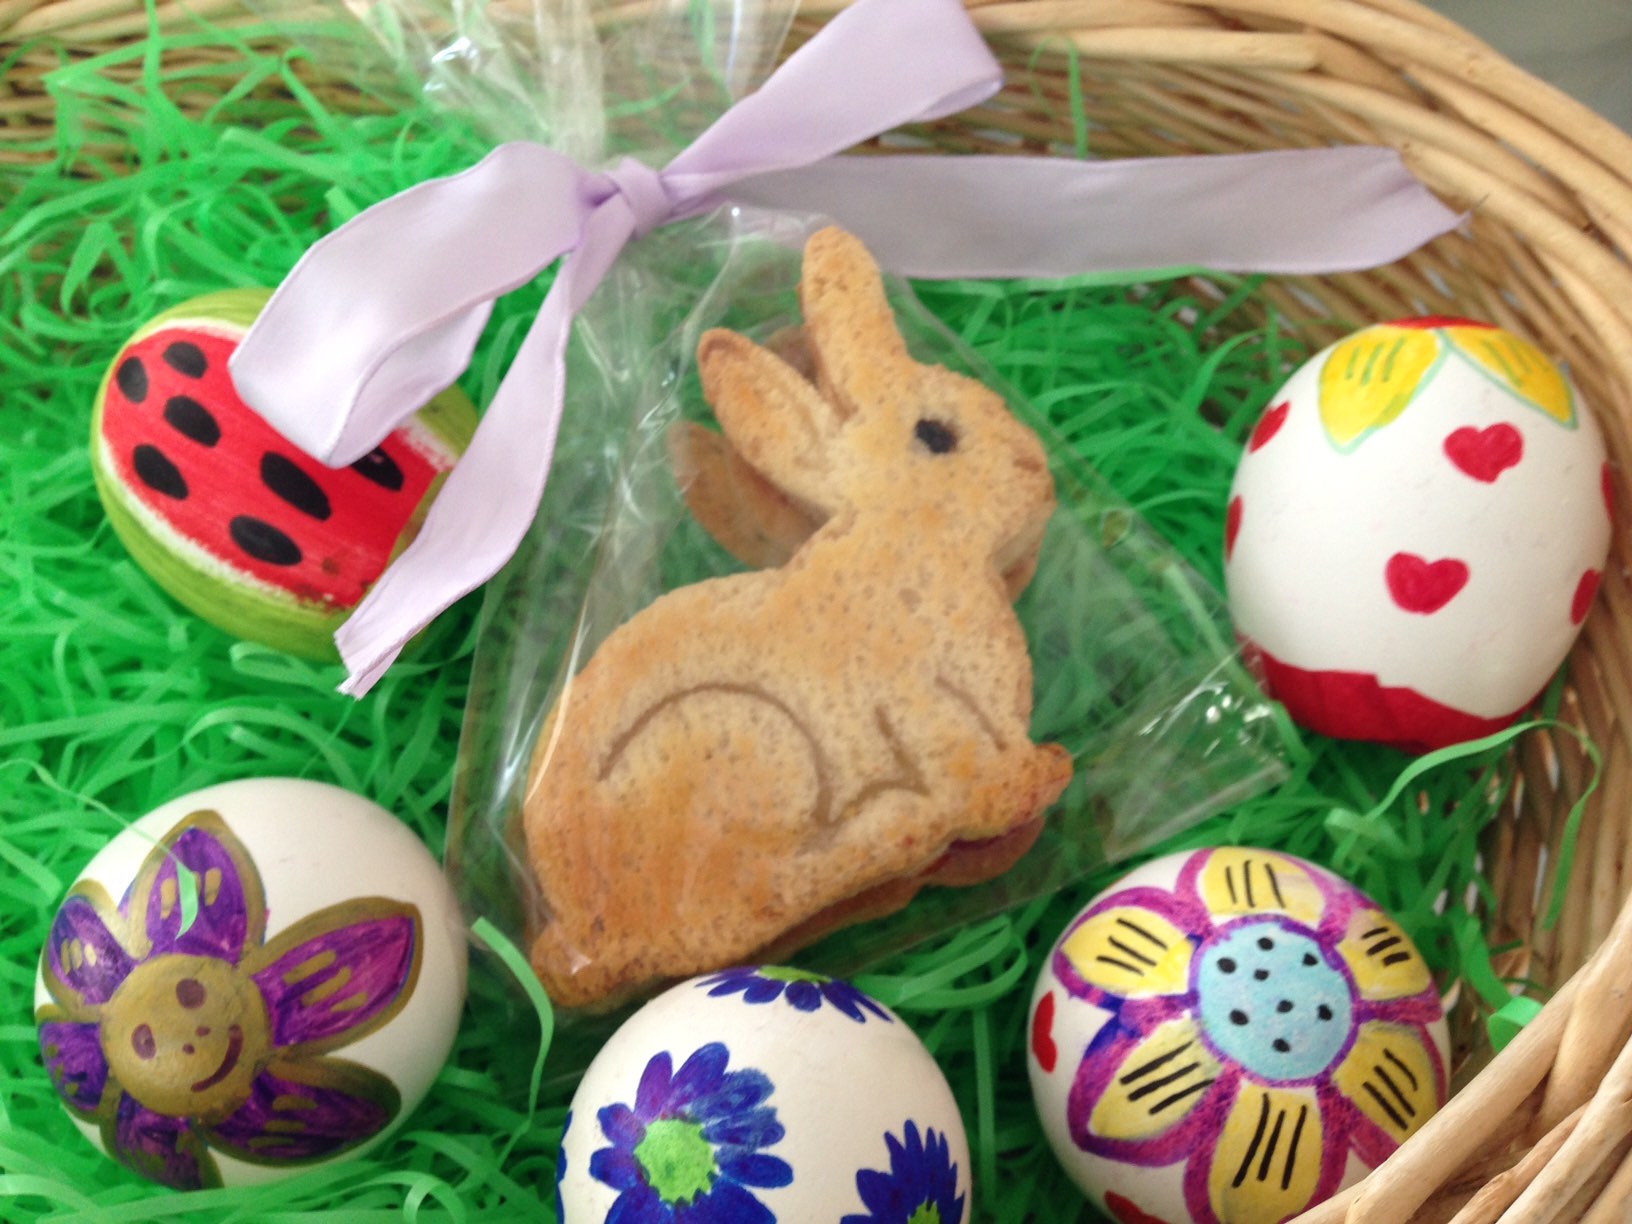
385 312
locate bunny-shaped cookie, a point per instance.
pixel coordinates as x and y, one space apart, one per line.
753 759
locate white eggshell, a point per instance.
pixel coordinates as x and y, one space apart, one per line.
1230 1036
797 1093
269 972
1416 531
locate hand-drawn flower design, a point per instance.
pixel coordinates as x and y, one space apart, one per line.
1266 1018
803 990
178 1030
561 1169
920 1188
691 1148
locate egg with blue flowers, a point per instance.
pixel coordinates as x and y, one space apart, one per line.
764 1093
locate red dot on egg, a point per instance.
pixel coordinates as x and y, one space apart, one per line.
1585 591
1042 1034
1268 425
1232 526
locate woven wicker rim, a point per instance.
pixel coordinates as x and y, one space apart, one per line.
1542 1132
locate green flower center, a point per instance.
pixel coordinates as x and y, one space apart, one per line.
781 973
927 1214
677 1160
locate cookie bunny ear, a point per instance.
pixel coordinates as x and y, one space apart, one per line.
859 354
774 417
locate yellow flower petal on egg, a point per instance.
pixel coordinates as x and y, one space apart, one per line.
1267 1163
1370 378
1131 952
1244 881
1162 1079
1519 366
1384 961
1391 1078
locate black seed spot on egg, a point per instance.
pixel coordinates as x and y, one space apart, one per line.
1266 943
1261 975
154 469
131 379
192 420
1308 958
1282 1046
380 468
1226 965
185 357
285 478
1324 1012
937 436
263 541
1284 1006
1238 1017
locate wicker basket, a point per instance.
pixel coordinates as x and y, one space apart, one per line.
1544 1130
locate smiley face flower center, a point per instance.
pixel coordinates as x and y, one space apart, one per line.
186 1035
1271 1000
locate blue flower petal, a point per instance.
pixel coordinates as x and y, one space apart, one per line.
882 1194
755 1169
726 1203
806 996
763 990
618 1168
735 1093
653 1092
753 1128
640 1206
699 1075
620 1125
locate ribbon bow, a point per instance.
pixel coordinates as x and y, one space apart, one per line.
385 312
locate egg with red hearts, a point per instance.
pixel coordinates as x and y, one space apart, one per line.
1416 531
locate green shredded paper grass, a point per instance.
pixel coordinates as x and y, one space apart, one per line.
113 699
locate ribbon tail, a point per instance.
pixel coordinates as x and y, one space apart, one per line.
1298 211
383 313
491 496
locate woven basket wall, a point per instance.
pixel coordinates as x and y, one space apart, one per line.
1543 1131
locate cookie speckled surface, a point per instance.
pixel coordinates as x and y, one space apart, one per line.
764 1094
228 516
255 978
1230 1036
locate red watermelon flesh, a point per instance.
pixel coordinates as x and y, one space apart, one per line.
188 449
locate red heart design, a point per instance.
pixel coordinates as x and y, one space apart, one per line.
1042 1033
1232 526
1486 453
1585 592
1424 587
1268 425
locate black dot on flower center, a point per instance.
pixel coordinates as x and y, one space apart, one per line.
1309 958
1226 965
131 379
1238 1017
1284 1006
1324 1012
1266 943
1282 1046
1261 975
185 357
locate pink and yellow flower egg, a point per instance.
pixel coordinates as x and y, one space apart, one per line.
1230 1036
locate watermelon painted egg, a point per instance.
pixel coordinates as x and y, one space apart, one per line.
764 1093
228 516
1231 1036
1416 532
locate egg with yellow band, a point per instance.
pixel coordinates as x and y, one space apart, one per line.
1416 532
1231 1036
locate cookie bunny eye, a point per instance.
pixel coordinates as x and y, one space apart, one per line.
938 437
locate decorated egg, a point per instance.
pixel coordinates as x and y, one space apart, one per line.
229 517
250 980
1416 532
764 1094
1231 1036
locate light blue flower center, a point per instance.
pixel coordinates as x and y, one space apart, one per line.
1271 1000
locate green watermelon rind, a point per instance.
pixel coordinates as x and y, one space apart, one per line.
236 602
